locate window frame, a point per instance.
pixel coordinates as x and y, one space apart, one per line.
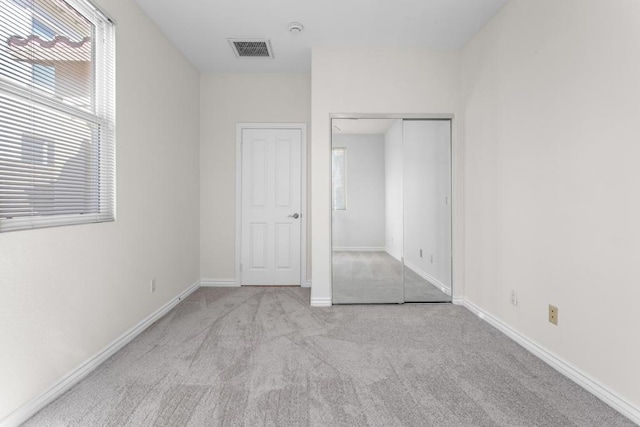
102 116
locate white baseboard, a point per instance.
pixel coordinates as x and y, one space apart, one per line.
426 276
29 409
578 376
358 249
320 302
229 283
218 283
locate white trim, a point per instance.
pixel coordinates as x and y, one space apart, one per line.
307 284
303 191
303 205
584 380
87 5
320 302
426 276
457 209
218 283
29 409
360 249
238 202
408 116
53 103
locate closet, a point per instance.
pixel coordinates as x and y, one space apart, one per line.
391 210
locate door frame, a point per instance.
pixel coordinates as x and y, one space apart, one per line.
240 127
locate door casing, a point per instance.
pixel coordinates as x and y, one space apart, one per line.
303 193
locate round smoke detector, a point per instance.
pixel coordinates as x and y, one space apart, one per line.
295 27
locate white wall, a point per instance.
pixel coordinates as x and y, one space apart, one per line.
551 179
394 234
227 99
67 292
427 192
366 80
361 225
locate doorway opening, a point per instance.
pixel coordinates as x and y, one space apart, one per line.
271 200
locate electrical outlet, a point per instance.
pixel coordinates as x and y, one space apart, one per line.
420 253
153 285
514 298
553 314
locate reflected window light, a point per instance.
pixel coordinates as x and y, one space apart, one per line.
339 178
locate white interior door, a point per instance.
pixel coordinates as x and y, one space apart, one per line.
271 206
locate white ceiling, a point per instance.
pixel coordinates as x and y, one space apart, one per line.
361 126
200 28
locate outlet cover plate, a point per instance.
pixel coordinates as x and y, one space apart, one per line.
553 314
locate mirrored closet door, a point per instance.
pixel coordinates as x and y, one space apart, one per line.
391 211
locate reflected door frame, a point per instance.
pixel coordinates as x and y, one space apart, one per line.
455 193
240 128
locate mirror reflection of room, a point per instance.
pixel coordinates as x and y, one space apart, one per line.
363 270
391 211
427 210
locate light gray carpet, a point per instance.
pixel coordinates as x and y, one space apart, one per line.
263 357
376 277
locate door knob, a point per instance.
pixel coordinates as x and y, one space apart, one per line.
294 216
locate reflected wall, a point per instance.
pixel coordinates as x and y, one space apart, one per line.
427 210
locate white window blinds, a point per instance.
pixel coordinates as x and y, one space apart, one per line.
57 119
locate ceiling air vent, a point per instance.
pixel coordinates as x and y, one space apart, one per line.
251 48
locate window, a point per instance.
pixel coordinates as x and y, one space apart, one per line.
57 119
339 178
43 75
